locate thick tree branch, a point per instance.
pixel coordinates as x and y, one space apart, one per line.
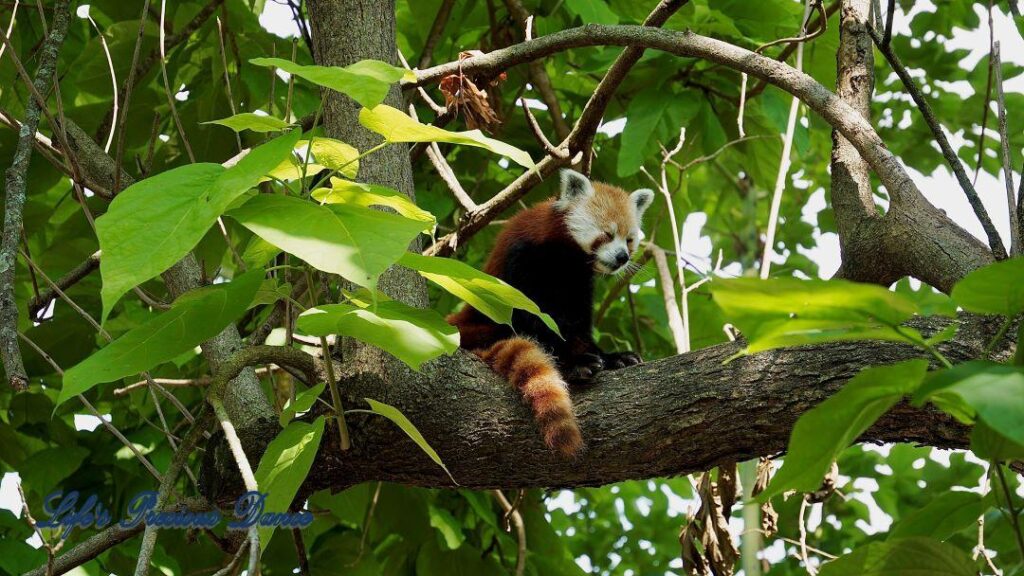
932 247
673 416
16 186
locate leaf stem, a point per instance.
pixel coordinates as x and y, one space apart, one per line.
1014 519
997 339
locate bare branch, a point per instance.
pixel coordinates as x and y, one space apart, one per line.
16 185
538 75
539 134
436 29
1004 139
940 137
77 274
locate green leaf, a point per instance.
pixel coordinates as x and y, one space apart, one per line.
643 115
367 81
367 195
492 297
195 317
994 289
396 416
449 527
943 516
284 467
335 155
827 429
157 221
251 121
783 312
592 11
351 241
396 126
902 557
991 445
987 391
303 401
413 335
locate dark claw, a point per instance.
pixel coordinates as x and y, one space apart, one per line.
617 360
584 367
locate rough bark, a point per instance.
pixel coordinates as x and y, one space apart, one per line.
15 188
673 416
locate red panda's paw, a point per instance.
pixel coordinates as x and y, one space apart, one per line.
616 360
583 368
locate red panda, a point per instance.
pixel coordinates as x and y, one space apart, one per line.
550 252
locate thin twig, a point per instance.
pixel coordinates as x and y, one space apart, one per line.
889 17
167 85
517 522
995 243
300 552
92 409
227 77
538 75
988 96
668 289
10 26
16 185
1004 139
804 36
436 29
123 121
539 134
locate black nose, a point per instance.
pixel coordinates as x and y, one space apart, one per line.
621 257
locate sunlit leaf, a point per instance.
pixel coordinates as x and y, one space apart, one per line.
348 192
354 242
783 312
396 126
367 81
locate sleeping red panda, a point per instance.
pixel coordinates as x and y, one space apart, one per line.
550 252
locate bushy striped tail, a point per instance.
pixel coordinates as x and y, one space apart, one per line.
533 372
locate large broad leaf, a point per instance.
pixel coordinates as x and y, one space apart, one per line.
284 467
789 312
492 297
194 318
396 126
827 429
644 114
348 192
990 392
367 81
352 241
943 516
155 222
994 289
251 121
396 416
903 557
413 335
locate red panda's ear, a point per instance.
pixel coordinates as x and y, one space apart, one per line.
642 199
575 186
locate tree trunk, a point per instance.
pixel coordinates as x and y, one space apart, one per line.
345 32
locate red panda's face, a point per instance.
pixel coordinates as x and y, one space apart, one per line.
604 220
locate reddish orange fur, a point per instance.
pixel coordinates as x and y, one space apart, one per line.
533 372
